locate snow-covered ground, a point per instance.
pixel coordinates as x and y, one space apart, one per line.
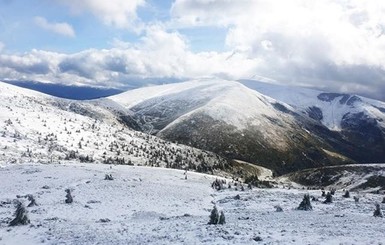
147 205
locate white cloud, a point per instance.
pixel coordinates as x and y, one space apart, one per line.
159 54
118 13
61 28
299 41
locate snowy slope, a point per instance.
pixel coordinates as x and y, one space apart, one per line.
145 205
333 106
225 101
228 118
39 128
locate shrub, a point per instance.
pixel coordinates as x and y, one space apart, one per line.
377 211
305 204
21 215
69 198
32 201
329 198
214 216
108 177
347 194
222 219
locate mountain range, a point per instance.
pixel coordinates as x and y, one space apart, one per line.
202 124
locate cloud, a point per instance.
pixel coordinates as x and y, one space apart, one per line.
60 28
117 13
324 43
159 55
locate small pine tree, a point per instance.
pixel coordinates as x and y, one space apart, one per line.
108 177
222 219
329 198
305 204
32 201
21 217
383 200
323 193
356 199
347 194
377 211
69 198
214 216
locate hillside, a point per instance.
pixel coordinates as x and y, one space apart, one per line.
39 128
143 205
228 118
357 119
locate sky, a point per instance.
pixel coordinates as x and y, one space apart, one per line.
333 45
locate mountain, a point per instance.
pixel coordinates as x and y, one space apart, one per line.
235 121
39 128
210 122
66 91
357 119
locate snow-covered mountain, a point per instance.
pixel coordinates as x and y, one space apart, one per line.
357 119
283 129
35 127
228 118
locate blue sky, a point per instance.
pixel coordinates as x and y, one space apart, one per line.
326 44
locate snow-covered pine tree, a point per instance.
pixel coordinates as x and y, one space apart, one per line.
347 194
329 198
305 204
69 198
377 211
214 216
32 201
222 219
21 215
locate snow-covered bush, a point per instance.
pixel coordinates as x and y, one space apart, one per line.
108 177
356 199
329 198
222 219
377 211
21 215
347 194
32 201
305 204
69 198
214 216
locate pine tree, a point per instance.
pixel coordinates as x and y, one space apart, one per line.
329 198
32 201
222 219
377 211
21 217
305 204
214 216
347 194
69 198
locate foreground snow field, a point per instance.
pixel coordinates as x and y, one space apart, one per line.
145 205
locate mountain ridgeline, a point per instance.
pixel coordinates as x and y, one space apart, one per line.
200 124
281 128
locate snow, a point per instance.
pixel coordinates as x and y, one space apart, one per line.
333 111
226 101
43 129
159 206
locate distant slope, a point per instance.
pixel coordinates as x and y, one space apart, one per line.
228 118
357 119
67 91
358 177
35 127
